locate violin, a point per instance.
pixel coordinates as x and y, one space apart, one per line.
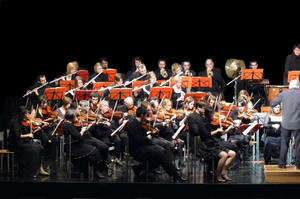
245 115
150 128
132 111
34 123
48 111
116 114
215 120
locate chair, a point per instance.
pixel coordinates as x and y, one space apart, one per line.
9 154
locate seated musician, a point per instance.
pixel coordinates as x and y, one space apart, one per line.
104 63
80 149
177 69
142 148
128 108
105 128
66 103
136 62
141 70
161 72
94 99
245 95
272 133
218 83
29 154
178 93
197 126
33 98
145 89
79 83
98 69
72 68
187 69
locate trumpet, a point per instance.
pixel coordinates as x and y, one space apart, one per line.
164 73
188 73
210 74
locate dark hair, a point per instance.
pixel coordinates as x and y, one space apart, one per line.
185 61
38 78
74 105
164 60
70 114
104 59
95 94
297 45
201 104
140 112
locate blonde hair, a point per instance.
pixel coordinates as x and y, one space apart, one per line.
165 102
187 101
177 79
71 66
78 78
175 66
150 74
96 65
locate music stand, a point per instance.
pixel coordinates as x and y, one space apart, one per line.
161 92
293 75
201 82
196 95
138 84
252 74
159 82
111 73
99 85
57 93
83 95
120 93
243 127
186 82
84 74
68 84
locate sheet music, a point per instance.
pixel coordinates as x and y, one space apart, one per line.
245 132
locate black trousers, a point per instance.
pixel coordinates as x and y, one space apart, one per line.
285 139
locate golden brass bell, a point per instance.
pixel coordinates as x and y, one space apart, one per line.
233 67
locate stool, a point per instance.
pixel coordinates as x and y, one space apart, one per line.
9 154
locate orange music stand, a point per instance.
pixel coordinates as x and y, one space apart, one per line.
83 95
120 93
68 84
159 82
196 95
201 82
161 92
252 74
186 82
111 73
138 84
292 75
99 85
57 93
84 74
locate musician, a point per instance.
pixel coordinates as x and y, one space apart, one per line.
136 62
81 151
272 133
161 72
105 128
145 90
29 154
104 63
176 69
290 121
243 94
128 108
187 69
292 62
141 70
178 93
79 83
95 99
40 81
66 103
98 69
143 149
72 68
218 83
196 122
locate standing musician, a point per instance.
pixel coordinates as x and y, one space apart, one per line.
272 133
218 83
290 121
143 149
178 93
29 153
82 151
197 125
187 69
161 72
292 62
98 69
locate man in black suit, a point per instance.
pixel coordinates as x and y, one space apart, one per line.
290 120
292 62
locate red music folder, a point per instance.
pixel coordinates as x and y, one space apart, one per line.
68 84
243 127
255 74
111 73
196 95
138 84
186 82
201 82
120 93
99 85
57 93
161 92
84 95
292 75
84 74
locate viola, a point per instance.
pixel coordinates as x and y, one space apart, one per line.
150 128
48 111
33 122
117 114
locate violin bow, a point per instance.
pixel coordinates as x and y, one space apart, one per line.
112 115
229 111
154 123
255 104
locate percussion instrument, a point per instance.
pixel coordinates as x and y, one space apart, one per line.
272 91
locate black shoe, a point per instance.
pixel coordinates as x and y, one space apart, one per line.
179 178
282 166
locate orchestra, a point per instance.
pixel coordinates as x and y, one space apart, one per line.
146 124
